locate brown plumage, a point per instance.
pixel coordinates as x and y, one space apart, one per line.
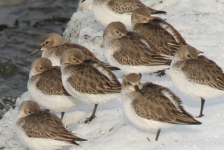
45 86
201 78
132 52
154 105
128 6
200 69
60 49
151 106
93 82
50 82
163 35
204 71
86 78
47 78
54 45
38 123
137 52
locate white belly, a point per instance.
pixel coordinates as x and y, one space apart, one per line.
145 124
54 59
58 103
105 16
132 69
38 143
191 89
87 98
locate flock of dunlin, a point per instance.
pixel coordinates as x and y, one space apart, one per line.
68 74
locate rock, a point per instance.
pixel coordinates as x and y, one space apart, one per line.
10 2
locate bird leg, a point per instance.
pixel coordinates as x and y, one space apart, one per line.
161 73
202 106
93 114
157 135
62 115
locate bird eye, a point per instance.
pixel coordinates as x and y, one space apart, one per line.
129 83
74 58
47 42
117 31
29 112
188 56
41 68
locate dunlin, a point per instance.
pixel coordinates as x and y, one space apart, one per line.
53 46
131 52
41 130
88 80
152 107
196 76
107 11
45 87
163 35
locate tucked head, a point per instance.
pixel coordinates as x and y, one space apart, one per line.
72 56
141 15
131 82
40 65
187 52
28 108
115 30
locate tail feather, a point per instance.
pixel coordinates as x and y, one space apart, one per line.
77 139
110 67
153 11
113 68
159 12
193 122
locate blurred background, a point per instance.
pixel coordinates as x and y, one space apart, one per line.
22 24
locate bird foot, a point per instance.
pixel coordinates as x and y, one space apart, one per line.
88 120
161 73
201 115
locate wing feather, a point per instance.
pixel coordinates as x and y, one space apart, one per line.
163 35
125 6
204 71
50 82
136 52
128 6
93 78
48 126
59 50
155 105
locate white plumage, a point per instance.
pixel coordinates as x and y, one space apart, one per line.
145 124
58 103
40 143
189 88
85 97
130 68
105 15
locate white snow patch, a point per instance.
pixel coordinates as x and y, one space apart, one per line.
201 24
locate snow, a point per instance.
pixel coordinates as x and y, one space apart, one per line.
201 24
